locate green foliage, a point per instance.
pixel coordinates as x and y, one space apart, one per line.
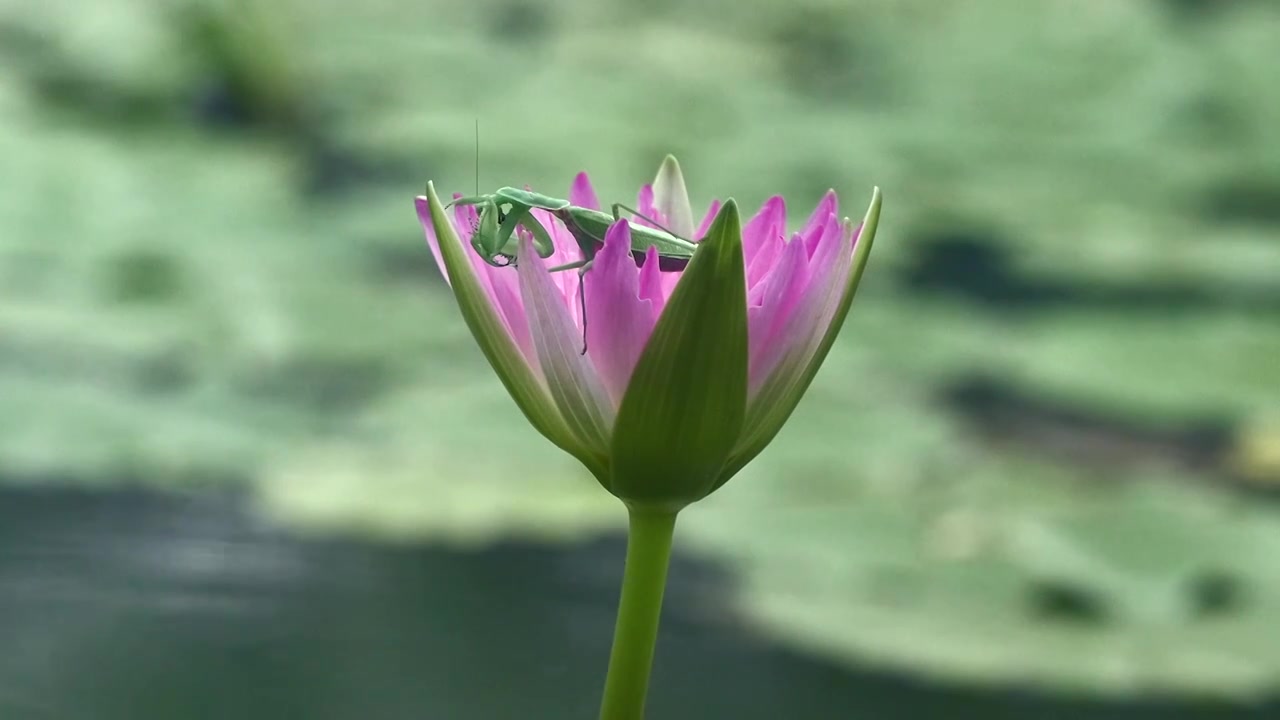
143 275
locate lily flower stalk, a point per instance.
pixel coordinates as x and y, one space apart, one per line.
688 373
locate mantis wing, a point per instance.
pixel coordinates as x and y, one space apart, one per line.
596 223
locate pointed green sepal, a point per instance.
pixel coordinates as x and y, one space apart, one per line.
778 398
683 410
496 342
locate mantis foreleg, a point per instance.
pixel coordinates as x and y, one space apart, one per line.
485 236
541 238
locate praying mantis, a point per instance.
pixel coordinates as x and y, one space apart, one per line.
508 208
494 237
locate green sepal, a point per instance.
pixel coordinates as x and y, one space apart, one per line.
497 345
778 398
684 408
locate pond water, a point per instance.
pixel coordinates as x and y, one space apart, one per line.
129 604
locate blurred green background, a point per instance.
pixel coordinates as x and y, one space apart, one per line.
252 464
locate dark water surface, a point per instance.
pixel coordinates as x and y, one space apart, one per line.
120 605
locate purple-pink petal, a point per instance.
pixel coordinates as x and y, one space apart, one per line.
646 206
571 378
619 321
504 290
766 227
424 217
828 206
652 287
705 225
787 283
824 248
465 218
761 265
837 274
799 337
582 194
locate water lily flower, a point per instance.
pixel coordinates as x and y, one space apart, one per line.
688 373
690 369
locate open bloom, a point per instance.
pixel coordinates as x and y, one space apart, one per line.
688 374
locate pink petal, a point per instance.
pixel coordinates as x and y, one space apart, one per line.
838 273
825 246
827 206
766 255
764 228
571 378
644 203
705 225
619 320
781 292
504 288
466 218
652 286
823 298
582 193
424 217
800 333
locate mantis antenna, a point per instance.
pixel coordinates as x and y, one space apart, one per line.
477 155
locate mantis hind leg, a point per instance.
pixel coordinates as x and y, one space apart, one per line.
582 266
582 301
618 216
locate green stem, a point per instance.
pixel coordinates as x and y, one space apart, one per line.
634 637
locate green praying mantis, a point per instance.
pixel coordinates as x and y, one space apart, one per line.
494 236
508 208
502 212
